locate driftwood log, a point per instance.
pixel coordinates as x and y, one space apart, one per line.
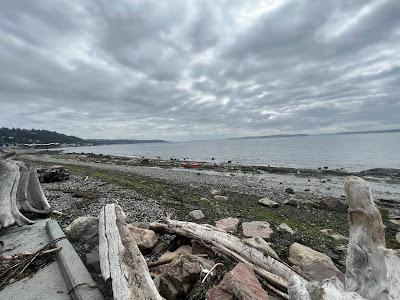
20 191
120 258
371 270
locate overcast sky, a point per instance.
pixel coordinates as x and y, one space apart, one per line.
199 69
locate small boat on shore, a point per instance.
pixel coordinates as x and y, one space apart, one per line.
189 165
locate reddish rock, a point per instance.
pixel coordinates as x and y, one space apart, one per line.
240 283
257 228
229 224
144 238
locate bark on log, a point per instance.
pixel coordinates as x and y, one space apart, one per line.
215 236
121 259
9 179
371 270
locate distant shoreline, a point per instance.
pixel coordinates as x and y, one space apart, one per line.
306 135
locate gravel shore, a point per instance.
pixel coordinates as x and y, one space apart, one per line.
148 192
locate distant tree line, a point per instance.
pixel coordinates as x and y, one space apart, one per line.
34 136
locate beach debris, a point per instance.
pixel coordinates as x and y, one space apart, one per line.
83 230
228 224
120 258
52 174
268 202
239 283
289 191
196 215
168 256
285 227
262 245
220 198
312 264
334 235
159 248
257 228
215 192
333 203
181 273
144 238
22 265
395 221
20 191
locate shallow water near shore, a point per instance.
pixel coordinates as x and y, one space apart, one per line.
351 152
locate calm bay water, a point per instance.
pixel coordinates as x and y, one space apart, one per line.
351 152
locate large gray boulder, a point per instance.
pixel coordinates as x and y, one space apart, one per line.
84 230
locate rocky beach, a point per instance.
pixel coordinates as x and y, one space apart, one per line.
301 206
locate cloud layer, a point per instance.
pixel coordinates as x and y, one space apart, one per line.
199 69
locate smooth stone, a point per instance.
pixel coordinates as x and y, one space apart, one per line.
333 203
257 228
215 192
144 238
196 214
313 265
220 198
229 224
268 202
285 227
84 230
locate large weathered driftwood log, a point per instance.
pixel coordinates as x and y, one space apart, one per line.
20 190
30 196
371 270
121 259
9 179
277 272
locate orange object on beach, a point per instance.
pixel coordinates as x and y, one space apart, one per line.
190 165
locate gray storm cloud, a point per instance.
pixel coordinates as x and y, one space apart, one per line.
199 69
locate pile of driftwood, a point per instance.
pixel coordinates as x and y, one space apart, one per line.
372 271
20 192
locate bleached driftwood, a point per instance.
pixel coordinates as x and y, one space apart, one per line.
277 272
9 179
120 258
30 196
371 270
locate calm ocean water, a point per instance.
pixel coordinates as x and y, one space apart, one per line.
351 152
